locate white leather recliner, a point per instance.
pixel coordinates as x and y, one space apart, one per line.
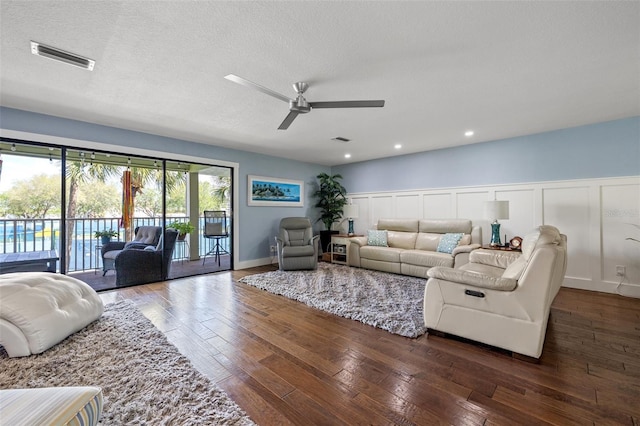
500 298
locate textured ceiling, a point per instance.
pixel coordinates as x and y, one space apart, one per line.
503 69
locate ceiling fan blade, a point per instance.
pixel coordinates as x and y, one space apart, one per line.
252 85
346 104
288 120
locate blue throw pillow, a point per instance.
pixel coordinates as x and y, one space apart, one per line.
448 242
377 238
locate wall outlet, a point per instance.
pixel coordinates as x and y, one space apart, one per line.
272 249
620 270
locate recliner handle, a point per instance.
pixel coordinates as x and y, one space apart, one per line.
474 293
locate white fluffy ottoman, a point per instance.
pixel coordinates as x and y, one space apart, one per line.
39 309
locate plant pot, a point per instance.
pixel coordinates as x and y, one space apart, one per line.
325 240
105 239
181 237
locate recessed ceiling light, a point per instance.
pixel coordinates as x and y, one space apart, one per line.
62 56
397 146
347 156
468 133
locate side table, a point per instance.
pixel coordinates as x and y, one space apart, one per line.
339 248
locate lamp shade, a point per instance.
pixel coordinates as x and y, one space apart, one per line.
494 210
350 211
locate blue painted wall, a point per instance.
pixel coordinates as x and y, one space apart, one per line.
594 151
258 225
599 150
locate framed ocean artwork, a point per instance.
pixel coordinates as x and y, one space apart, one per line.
268 191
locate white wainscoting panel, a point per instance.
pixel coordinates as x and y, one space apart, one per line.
521 213
568 210
597 215
436 206
620 222
381 206
407 206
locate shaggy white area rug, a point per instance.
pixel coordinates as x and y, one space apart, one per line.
144 378
387 301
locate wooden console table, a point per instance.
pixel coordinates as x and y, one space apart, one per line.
31 261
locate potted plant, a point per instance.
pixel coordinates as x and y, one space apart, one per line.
183 228
331 201
106 235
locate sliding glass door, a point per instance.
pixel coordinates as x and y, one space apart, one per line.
72 201
30 208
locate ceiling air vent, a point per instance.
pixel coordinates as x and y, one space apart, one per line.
340 139
62 56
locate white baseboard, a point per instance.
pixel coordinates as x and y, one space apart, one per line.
256 262
624 289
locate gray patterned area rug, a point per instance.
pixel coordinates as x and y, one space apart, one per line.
144 378
387 301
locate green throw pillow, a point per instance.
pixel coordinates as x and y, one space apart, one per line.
448 242
377 238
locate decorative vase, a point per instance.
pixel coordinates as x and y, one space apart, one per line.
495 234
350 232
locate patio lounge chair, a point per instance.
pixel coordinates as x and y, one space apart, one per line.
151 264
144 236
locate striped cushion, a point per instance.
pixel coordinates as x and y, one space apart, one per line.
76 406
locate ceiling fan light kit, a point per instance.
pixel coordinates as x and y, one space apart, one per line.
300 105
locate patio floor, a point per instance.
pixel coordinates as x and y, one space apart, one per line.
179 269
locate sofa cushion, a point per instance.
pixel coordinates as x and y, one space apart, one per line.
377 238
515 269
52 406
426 258
403 240
298 251
400 225
480 268
442 226
384 254
469 278
500 259
448 242
427 241
544 234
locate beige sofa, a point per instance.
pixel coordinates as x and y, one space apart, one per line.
412 246
500 298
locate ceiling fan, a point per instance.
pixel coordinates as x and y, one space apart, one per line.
300 105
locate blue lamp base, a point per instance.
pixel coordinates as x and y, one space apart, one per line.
495 234
351 227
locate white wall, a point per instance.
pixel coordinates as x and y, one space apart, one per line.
597 215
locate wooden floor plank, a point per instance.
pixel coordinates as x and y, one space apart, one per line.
285 363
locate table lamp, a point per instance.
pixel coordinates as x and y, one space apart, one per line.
494 210
350 212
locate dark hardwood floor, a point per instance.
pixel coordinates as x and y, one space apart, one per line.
285 363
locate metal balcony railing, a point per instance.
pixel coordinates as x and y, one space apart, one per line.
25 235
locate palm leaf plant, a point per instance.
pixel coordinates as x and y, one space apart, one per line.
331 199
